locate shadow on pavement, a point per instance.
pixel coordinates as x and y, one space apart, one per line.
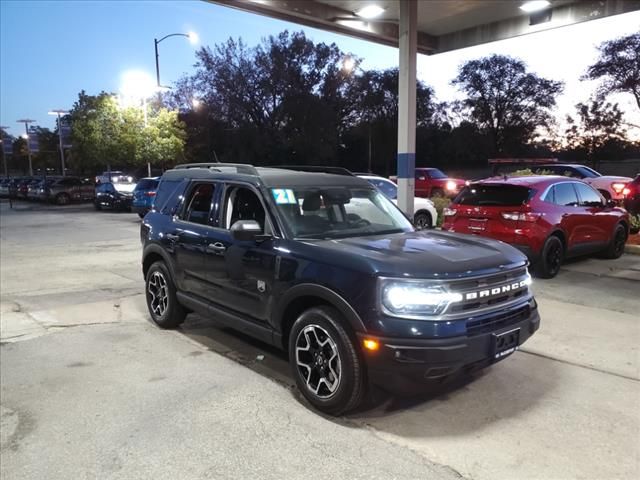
492 394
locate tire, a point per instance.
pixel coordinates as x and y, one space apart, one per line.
422 220
618 240
551 258
337 384
63 199
97 206
160 293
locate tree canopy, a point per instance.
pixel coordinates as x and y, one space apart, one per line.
506 100
618 67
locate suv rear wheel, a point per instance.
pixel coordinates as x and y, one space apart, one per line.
618 240
325 362
550 258
160 293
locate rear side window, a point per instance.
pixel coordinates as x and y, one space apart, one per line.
147 184
494 195
165 189
199 204
564 195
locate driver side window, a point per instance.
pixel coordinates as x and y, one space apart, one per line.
588 196
241 203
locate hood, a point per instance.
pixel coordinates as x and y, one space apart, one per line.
424 254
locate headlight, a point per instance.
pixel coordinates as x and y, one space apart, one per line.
618 187
452 186
415 297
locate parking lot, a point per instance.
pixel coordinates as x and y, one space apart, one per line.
91 389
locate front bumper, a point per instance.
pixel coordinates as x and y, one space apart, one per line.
406 364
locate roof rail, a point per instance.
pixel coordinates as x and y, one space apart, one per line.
316 169
240 167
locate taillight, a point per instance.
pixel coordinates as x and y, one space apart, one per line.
448 212
618 187
150 194
521 216
626 191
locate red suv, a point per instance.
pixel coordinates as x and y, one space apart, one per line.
431 182
547 218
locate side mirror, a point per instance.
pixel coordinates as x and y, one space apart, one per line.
245 230
422 178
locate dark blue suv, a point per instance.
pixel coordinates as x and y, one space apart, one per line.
326 267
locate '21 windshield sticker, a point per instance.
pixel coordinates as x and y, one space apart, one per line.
284 196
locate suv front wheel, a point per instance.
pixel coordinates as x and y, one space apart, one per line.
160 293
325 363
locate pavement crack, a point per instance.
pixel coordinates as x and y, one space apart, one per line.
574 364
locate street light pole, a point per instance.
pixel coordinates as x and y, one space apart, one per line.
4 155
191 36
26 122
59 112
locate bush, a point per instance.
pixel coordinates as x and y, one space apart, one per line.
440 203
635 223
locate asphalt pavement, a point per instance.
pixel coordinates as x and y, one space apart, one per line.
91 389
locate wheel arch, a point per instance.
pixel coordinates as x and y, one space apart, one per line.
562 236
426 212
305 296
153 253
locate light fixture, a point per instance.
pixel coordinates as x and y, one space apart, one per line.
370 11
195 102
534 5
193 37
137 84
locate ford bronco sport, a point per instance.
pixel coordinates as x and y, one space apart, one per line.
326 267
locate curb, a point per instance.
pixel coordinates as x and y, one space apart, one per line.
632 249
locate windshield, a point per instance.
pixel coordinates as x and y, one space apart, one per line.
337 212
387 187
494 195
435 173
588 172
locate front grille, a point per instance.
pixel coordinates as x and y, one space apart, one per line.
480 286
496 320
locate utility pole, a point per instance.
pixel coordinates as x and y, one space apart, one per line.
60 112
4 155
26 122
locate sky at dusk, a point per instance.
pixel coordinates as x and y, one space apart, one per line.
50 50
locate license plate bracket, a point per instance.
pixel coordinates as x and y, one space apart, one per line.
504 344
477 225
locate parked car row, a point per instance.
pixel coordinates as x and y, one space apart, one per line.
55 189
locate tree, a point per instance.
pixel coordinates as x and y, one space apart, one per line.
161 142
618 67
599 128
508 102
281 101
104 134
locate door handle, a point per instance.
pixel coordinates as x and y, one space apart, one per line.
171 237
216 247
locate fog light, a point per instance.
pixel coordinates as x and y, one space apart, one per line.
369 344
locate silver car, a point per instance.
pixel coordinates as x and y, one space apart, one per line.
67 189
